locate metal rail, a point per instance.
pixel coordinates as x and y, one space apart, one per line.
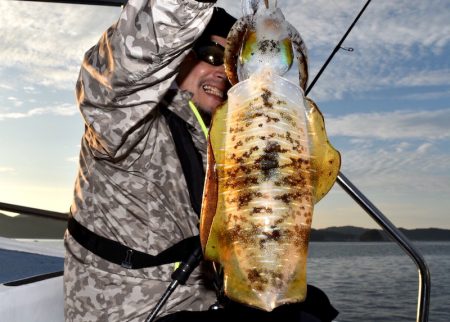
396 235
393 232
33 211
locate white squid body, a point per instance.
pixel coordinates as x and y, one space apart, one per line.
269 161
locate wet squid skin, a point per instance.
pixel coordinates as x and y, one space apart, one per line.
269 161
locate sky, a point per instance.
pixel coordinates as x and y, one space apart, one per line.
386 103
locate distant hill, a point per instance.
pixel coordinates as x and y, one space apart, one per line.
345 233
427 234
25 226
350 233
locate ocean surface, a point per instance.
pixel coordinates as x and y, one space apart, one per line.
377 281
365 281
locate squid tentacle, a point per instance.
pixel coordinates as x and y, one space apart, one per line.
301 54
232 50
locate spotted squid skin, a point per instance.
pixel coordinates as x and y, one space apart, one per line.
265 185
258 201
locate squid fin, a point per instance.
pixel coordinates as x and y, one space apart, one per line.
326 160
235 39
216 154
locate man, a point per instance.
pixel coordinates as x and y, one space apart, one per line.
145 92
131 194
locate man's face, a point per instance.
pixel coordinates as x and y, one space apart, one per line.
207 83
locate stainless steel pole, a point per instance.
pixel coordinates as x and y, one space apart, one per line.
396 235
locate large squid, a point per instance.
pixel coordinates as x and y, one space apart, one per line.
269 162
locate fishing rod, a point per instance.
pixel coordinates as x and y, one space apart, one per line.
336 49
179 276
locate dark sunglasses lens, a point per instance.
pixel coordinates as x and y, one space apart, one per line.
211 54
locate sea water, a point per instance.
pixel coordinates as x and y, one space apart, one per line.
365 281
377 281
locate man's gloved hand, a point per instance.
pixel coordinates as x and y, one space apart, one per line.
316 308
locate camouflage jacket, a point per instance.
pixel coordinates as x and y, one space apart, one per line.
130 186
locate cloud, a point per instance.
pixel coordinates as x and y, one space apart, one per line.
46 42
6 169
401 43
72 159
415 167
424 148
396 151
426 78
423 125
393 41
15 101
29 89
6 87
430 95
61 110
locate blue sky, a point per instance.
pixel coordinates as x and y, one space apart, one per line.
386 104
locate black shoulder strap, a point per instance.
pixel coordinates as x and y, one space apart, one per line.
125 256
115 252
190 158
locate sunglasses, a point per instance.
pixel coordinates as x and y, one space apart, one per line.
210 52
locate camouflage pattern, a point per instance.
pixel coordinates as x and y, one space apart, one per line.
130 186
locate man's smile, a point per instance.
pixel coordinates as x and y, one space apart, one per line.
213 90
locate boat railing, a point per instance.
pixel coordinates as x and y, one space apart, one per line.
397 236
33 211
